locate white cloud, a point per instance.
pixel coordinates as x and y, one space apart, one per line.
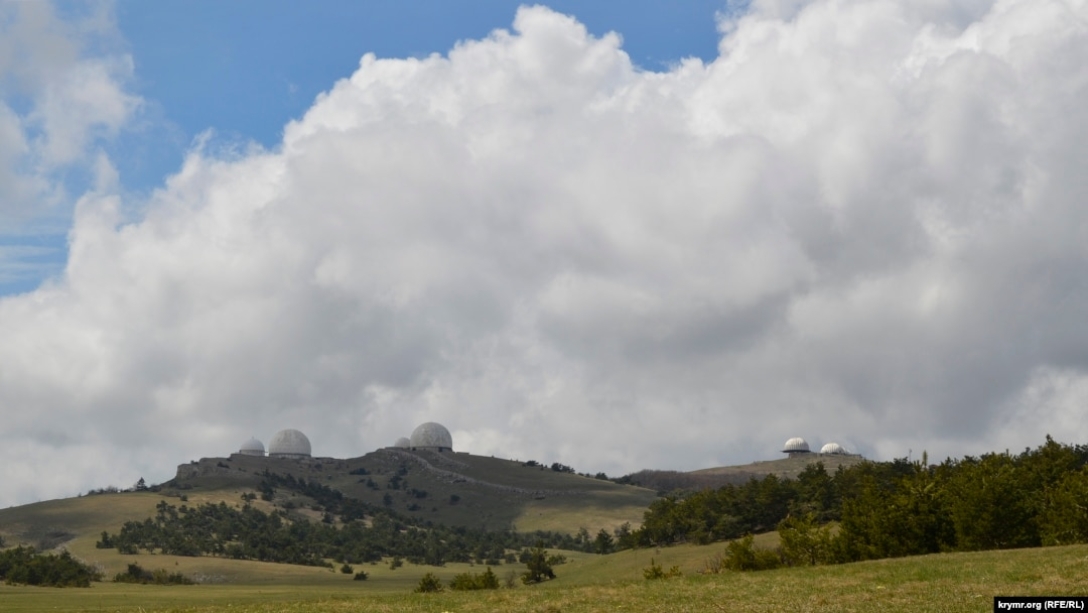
85 99
862 223
61 96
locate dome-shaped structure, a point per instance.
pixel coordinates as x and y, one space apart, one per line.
795 445
833 448
252 447
432 436
289 444
403 442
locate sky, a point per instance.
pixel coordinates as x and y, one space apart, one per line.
620 236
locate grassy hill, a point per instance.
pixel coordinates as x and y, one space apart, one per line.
467 490
456 489
953 583
669 480
785 467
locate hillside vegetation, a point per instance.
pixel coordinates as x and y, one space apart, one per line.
947 583
419 488
454 489
346 518
891 509
665 481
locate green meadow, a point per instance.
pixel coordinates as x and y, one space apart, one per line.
513 495
944 583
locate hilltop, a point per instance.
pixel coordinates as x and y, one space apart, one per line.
451 488
787 468
454 489
443 488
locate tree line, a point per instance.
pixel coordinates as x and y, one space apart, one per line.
25 566
248 533
890 509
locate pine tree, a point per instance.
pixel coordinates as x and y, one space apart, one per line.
538 567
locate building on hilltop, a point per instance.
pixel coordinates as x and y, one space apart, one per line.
252 447
796 447
432 436
403 443
833 449
290 444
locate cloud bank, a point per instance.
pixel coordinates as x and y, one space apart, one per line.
864 222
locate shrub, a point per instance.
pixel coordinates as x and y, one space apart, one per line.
539 568
656 572
1063 520
23 565
136 574
742 554
804 542
470 581
557 559
428 584
347 569
361 576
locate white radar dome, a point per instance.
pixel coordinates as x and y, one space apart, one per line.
289 444
252 447
431 436
794 445
403 442
833 448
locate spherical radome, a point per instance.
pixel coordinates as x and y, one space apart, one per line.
432 435
795 444
252 447
403 442
833 448
289 443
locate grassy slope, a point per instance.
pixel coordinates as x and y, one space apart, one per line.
527 498
952 582
784 467
946 583
493 493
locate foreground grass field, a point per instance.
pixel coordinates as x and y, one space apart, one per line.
944 583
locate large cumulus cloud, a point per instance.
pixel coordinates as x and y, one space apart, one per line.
863 222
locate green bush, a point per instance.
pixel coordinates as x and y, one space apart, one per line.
23 565
428 584
539 566
656 572
361 576
136 574
1064 518
805 542
742 554
472 581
